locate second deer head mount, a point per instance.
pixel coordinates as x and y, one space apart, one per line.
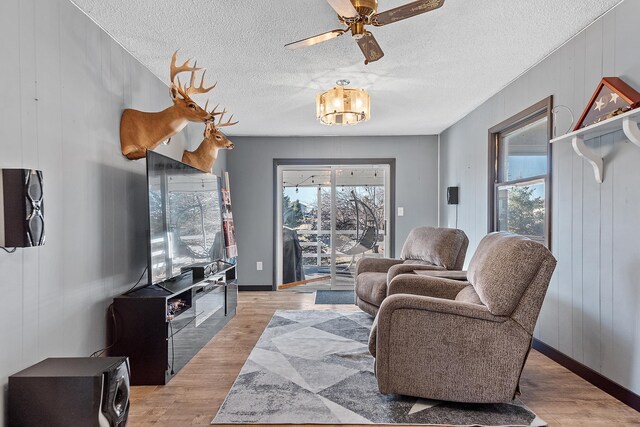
206 154
141 131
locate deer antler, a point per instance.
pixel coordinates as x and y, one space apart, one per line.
175 70
216 113
227 123
191 89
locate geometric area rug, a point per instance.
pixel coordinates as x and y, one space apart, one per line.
314 367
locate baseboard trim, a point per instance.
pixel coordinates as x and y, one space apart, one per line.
621 393
242 288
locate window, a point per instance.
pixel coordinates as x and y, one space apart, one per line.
519 173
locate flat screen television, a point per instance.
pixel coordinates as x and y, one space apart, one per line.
185 220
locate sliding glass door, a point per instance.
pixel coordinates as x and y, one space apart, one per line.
306 226
330 216
360 221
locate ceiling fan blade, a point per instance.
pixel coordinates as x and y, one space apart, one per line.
405 11
310 41
370 48
343 8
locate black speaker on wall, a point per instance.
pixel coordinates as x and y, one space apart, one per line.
22 208
71 392
452 195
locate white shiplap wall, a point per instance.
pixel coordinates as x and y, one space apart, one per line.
591 309
64 84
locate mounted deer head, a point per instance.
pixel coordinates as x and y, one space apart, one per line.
141 131
206 154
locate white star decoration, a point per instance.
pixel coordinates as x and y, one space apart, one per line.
599 104
614 97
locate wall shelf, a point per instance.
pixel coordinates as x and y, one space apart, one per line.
628 122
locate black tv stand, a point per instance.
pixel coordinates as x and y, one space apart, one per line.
161 327
162 287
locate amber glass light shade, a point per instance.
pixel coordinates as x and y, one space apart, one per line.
343 106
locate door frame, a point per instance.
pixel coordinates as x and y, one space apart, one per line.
319 162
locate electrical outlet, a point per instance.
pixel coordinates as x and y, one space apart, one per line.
259 265
400 211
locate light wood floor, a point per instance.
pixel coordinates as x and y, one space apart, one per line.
194 395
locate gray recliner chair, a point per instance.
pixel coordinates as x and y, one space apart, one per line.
426 248
462 341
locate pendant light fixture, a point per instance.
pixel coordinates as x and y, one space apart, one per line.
343 105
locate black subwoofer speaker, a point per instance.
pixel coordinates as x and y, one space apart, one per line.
70 392
23 208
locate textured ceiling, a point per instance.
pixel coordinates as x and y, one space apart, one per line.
437 67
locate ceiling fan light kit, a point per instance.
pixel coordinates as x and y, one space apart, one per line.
343 106
355 15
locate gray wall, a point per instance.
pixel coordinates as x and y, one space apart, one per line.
65 83
250 167
590 312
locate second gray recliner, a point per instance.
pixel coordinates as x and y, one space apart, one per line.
426 248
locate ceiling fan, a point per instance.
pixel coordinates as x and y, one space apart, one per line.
356 14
